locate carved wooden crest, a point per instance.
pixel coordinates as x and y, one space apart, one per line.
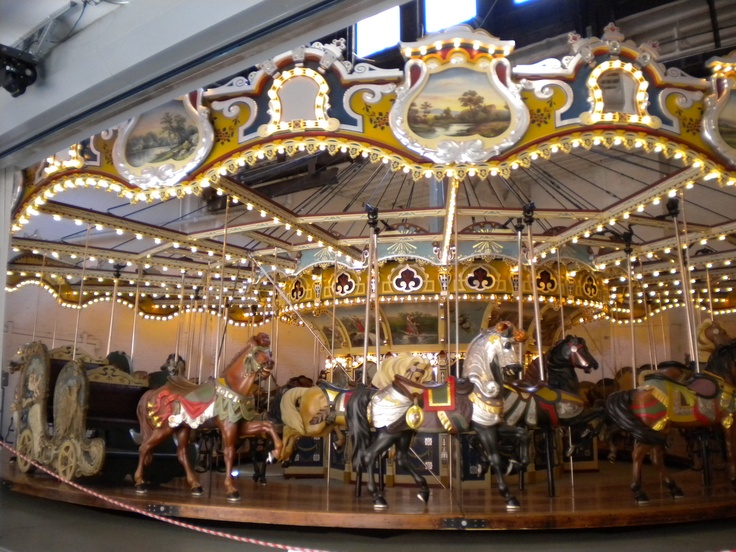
160 147
457 103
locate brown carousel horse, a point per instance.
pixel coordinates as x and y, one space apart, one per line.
661 403
227 402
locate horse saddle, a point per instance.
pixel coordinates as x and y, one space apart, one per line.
521 386
433 396
326 385
702 385
179 385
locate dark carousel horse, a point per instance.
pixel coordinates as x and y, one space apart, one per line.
180 406
556 401
174 366
391 416
660 403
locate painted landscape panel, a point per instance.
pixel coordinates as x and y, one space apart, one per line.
459 102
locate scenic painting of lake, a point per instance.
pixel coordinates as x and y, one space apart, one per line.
162 134
459 102
727 121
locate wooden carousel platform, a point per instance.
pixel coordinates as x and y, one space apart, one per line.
597 499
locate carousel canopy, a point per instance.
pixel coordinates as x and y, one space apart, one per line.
608 163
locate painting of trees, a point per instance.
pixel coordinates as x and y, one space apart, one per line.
161 134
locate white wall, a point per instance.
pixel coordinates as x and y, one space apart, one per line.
32 313
610 343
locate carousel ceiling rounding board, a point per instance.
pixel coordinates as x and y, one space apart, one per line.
250 197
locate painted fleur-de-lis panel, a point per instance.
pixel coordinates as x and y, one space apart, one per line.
590 288
546 281
297 290
479 278
344 284
406 278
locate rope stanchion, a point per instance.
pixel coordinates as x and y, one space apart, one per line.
165 519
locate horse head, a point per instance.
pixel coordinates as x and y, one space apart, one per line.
722 362
262 339
121 361
490 354
174 365
579 356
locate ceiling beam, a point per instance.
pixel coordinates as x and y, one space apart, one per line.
284 216
619 210
171 237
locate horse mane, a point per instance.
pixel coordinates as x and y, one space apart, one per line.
560 372
398 365
555 356
722 362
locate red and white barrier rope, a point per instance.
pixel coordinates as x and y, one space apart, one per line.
130 508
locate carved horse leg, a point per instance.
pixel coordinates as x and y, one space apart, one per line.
637 458
145 455
374 452
403 461
182 436
730 438
657 457
229 433
488 436
258 427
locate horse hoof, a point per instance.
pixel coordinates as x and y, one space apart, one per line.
380 504
641 499
423 496
675 491
141 489
512 503
197 491
233 497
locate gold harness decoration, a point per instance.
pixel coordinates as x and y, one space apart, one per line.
415 416
492 406
232 406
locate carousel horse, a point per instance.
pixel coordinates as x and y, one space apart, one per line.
710 335
403 408
227 402
318 411
121 361
557 401
174 366
661 403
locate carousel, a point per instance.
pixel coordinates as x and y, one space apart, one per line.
467 282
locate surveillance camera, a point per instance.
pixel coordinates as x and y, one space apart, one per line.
17 70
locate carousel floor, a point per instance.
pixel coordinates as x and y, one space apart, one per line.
590 499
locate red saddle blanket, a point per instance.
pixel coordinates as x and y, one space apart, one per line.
194 404
441 397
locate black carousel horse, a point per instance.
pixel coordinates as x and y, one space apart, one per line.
556 402
391 416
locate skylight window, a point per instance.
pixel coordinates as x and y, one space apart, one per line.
441 14
377 33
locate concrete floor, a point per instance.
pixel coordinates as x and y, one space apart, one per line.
29 524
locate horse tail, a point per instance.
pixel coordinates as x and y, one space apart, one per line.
142 412
359 429
290 414
618 410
